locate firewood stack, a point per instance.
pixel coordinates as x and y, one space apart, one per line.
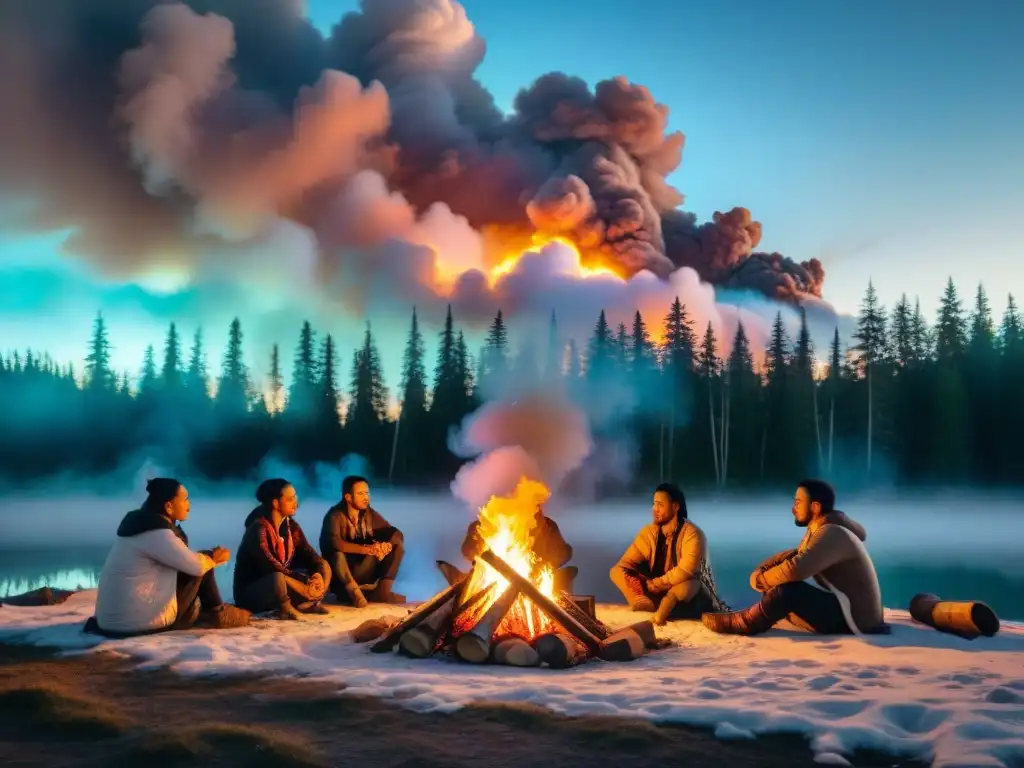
466 626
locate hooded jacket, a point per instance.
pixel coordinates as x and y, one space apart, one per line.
138 586
264 551
832 553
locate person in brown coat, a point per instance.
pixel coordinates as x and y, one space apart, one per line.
847 599
666 569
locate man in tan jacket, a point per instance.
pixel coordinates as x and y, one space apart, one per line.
848 599
666 569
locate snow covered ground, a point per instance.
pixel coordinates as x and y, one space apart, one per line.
914 692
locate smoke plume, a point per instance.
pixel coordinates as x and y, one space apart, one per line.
538 435
162 133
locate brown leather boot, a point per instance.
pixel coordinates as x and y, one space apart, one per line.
638 599
750 621
225 616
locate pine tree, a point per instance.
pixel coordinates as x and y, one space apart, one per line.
803 349
920 334
642 357
982 333
275 382
302 392
197 377
496 352
412 417
871 331
600 354
777 353
464 377
709 365
148 376
903 334
98 375
367 406
233 385
677 361
622 348
951 327
1011 331
170 372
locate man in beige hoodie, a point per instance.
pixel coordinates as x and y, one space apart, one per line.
847 599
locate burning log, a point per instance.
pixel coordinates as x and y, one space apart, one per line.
429 635
515 652
474 645
560 651
597 628
538 598
392 638
422 640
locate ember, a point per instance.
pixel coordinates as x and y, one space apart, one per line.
506 610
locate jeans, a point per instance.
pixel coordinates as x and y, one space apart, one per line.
692 599
806 605
347 567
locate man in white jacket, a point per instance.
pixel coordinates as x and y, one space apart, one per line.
152 581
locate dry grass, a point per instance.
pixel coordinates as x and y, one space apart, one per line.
50 705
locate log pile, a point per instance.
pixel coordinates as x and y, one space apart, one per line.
480 628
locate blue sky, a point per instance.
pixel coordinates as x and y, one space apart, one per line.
883 138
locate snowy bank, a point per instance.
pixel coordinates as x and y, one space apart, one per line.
915 692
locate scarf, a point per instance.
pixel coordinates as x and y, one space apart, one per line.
284 547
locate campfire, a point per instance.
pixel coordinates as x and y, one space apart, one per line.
506 610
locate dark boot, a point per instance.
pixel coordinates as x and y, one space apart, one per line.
382 593
750 621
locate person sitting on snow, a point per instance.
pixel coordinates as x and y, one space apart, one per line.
152 581
277 569
849 600
666 569
362 547
549 547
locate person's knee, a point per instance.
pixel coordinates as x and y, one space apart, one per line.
615 574
328 571
685 591
279 586
398 540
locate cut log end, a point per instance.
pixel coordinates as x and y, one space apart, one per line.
625 645
560 651
472 648
515 652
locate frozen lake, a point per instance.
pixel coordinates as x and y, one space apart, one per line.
956 545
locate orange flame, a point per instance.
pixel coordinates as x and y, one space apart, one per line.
506 526
579 265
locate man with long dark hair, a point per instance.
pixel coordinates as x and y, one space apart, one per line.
277 569
666 569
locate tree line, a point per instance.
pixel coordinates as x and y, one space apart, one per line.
900 402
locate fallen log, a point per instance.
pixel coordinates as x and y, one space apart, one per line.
559 650
513 651
625 645
968 619
538 598
474 645
393 636
593 625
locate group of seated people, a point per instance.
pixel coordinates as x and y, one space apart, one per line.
153 582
